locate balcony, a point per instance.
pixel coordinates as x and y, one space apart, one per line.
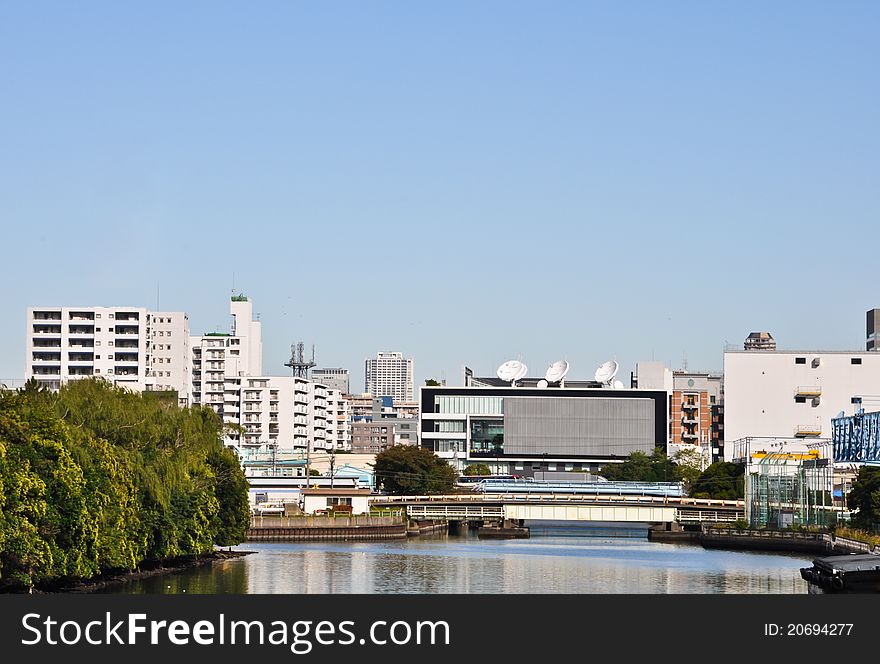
808 430
46 371
46 343
126 331
689 435
689 406
808 391
47 357
689 419
81 329
47 315
47 329
82 315
81 357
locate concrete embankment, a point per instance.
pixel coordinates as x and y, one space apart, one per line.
780 540
417 528
326 529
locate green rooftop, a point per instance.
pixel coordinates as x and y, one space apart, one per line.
217 334
241 297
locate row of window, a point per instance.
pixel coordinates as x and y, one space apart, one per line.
816 361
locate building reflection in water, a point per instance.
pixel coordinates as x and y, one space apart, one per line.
548 563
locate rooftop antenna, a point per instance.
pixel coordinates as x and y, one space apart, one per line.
511 371
556 373
606 373
298 363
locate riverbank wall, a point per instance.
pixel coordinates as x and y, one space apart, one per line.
781 540
326 529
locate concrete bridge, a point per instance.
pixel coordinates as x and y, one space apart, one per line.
566 507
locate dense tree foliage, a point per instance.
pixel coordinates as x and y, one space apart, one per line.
721 480
409 469
96 478
639 467
477 469
865 497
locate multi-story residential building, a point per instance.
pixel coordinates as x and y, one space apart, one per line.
360 407
339 431
169 363
216 355
390 375
792 395
334 379
872 330
759 341
371 437
696 410
129 346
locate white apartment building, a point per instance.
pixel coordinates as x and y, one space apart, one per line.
792 394
168 359
129 346
339 420
390 375
216 355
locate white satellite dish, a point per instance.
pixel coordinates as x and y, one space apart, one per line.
618 385
556 372
512 371
542 384
606 372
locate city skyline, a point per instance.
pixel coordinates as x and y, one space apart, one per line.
587 183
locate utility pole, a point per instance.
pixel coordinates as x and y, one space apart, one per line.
332 465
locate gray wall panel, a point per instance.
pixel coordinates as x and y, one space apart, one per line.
563 426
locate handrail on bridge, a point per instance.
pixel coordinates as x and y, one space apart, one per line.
560 498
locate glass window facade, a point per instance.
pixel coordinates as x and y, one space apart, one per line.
470 405
449 426
442 445
487 437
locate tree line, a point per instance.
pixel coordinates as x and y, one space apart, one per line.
95 478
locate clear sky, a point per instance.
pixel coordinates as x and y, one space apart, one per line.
466 182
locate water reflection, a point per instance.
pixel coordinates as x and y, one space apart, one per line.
553 561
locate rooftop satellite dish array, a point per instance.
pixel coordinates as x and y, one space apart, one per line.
514 370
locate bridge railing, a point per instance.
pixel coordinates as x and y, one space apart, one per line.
560 498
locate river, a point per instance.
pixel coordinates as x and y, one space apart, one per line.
555 560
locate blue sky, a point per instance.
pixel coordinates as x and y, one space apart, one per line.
464 182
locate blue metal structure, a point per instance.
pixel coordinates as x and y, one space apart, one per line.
669 489
856 438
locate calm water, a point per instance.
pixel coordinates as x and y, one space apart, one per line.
554 560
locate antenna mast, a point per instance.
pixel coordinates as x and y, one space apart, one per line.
298 364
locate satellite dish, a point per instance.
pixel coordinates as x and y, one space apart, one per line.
542 384
557 372
512 371
618 385
606 372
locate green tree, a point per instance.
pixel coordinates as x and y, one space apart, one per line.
430 382
865 498
477 469
96 478
722 480
408 469
690 465
231 490
639 467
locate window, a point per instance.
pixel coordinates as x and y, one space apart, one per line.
856 360
800 360
800 400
